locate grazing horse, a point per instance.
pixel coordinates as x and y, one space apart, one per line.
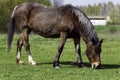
65 22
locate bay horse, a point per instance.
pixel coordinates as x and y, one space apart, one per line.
65 22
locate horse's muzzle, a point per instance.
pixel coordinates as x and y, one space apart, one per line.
96 65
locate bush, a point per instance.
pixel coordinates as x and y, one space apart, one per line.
112 29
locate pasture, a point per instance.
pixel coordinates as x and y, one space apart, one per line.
44 51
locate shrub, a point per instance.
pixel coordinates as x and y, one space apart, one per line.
112 29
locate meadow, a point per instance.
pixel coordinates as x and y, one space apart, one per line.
44 50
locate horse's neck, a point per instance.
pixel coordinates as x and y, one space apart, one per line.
86 28
88 33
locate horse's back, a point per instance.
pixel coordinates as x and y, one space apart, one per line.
45 21
23 11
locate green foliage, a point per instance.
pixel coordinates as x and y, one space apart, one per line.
92 10
104 9
114 14
6 7
44 51
112 29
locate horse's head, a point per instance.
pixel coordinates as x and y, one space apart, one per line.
93 53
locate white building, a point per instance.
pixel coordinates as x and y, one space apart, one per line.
98 20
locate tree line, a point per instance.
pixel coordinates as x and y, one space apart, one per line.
101 9
6 8
104 9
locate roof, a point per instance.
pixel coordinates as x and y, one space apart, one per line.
97 17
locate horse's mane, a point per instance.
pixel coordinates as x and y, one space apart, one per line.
86 27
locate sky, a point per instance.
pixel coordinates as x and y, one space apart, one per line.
86 2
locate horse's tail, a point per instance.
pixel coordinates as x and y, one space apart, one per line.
11 29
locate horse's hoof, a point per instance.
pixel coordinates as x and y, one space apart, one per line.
33 63
57 67
81 65
20 62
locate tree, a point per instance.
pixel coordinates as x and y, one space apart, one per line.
103 9
114 14
6 7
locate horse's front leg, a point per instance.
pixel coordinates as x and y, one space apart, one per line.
78 50
63 37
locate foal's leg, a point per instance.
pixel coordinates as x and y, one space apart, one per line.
63 37
78 50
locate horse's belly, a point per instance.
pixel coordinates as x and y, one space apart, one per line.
48 33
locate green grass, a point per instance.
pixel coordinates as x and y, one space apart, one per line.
44 50
107 29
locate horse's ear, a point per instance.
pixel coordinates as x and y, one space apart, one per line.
101 41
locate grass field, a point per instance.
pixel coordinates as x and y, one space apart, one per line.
44 51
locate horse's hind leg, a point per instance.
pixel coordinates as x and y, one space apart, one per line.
18 53
19 47
24 41
78 50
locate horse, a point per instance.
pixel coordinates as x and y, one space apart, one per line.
61 22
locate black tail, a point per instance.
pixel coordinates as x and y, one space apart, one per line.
11 29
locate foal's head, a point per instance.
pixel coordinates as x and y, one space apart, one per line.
93 53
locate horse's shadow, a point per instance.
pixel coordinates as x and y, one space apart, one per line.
74 64
110 66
